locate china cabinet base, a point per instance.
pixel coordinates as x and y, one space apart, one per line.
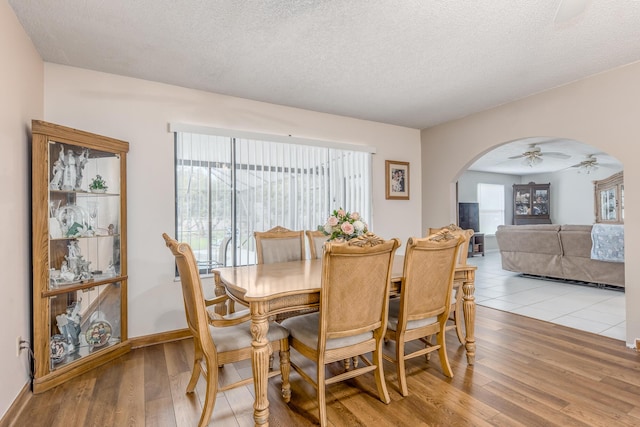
68 372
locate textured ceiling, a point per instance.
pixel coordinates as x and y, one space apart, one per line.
413 63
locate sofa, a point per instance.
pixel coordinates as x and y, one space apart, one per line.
556 251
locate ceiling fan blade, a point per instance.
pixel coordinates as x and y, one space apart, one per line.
556 155
516 157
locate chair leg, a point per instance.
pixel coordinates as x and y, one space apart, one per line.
197 370
211 392
285 369
402 378
442 352
379 374
322 400
459 320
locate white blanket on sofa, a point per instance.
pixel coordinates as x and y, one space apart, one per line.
607 242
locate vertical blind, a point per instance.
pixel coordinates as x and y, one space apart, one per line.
228 187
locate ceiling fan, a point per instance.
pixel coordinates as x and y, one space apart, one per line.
588 165
534 155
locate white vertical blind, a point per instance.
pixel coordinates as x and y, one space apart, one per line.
273 183
491 207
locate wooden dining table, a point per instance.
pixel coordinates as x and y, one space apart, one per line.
272 289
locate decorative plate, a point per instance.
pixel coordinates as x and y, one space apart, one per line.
98 333
58 348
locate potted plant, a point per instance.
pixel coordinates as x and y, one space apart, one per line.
98 185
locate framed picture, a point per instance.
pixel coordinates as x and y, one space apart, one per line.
397 180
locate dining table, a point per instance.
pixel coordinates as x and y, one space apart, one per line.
279 288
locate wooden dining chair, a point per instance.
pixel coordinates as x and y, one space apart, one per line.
219 339
456 316
279 245
352 316
425 298
316 240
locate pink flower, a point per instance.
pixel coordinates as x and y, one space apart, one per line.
341 212
332 221
355 216
347 228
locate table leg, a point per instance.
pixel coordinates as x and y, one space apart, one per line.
260 361
469 310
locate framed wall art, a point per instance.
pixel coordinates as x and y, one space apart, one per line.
397 180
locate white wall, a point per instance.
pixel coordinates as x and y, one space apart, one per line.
21 86
601 111
138 111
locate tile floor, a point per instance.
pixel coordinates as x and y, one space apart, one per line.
584 307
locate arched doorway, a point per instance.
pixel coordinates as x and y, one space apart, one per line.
570 169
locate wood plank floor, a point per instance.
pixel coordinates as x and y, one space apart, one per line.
527 373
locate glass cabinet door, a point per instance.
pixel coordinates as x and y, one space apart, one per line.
609 198
84 250
540 203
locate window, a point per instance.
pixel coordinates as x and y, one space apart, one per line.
228 187
491 200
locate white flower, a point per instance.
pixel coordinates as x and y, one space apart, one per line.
328 229
358 225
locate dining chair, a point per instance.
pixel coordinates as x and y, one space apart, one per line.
456 316
279 244
316 240
425 299
350 322
219 339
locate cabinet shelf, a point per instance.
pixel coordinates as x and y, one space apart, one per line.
83 285
79 252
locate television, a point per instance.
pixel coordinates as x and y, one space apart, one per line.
469 216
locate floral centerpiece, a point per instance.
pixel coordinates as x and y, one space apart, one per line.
343 225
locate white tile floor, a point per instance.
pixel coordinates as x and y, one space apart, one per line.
588 308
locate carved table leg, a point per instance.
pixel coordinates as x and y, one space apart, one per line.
219 290
260 361
469 309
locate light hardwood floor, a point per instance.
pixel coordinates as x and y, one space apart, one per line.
527 373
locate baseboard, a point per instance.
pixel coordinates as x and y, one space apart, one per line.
17 406
147 340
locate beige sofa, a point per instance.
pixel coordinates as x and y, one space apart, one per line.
558 251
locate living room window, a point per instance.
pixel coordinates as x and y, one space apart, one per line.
232 184
491 207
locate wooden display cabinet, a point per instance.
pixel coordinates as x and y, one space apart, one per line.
531 204
79 252
609 199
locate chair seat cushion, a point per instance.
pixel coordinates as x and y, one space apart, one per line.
239 336
305 329
394 313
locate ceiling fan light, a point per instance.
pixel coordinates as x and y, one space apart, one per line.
587 168
532 161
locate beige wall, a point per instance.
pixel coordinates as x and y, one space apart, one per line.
21 86
138 111
601 111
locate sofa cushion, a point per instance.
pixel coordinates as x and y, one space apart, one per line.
537 239
576 240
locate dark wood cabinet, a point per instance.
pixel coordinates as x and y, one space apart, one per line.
476 244
531 204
